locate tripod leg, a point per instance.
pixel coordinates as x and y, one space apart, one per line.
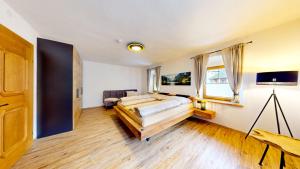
264 155
284 116
282 161
276 113
259 116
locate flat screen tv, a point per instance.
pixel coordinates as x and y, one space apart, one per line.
277 78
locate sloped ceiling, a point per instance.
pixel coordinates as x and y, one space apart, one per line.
168 28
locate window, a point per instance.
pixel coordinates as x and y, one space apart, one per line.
216 85
152 82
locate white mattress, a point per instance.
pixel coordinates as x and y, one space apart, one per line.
157 117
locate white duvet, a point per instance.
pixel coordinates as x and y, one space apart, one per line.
169 103
154 108
157 103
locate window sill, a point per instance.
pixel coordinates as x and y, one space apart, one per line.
225 103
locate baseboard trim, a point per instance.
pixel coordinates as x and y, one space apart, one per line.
87 108
221 125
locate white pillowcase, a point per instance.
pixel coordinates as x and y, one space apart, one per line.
182 100
160 96
132 93
124 99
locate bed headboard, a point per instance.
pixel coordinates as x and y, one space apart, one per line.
163 93
179 95
182 95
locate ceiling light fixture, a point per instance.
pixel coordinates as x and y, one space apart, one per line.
135 46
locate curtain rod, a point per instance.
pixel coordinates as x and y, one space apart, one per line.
220 50
154 67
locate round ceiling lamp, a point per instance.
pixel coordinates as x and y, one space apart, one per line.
135 46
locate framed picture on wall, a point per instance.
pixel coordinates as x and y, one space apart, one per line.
180 79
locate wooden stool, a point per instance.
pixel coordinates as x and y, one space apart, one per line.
286 144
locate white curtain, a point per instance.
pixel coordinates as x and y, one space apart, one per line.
148 79
157 75
153 85
200 65
233 62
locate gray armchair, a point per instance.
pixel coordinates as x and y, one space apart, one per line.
111 97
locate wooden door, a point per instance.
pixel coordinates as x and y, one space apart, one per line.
16 95
77 87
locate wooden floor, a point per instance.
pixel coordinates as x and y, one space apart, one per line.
102 141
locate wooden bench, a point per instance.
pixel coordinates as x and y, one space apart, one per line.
286 144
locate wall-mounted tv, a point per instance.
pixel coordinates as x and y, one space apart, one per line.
180 79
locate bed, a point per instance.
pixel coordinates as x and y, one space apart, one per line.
145 126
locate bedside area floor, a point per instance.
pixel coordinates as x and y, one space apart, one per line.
103 141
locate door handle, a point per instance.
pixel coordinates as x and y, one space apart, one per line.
2 105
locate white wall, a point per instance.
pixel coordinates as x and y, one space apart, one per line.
272 50
98 77
12 20
174 67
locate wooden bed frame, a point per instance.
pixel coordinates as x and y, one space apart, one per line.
144 133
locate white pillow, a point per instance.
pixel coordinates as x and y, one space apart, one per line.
130 98
182 100
131 93
160 96
111 99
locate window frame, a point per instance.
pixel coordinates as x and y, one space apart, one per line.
220 98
